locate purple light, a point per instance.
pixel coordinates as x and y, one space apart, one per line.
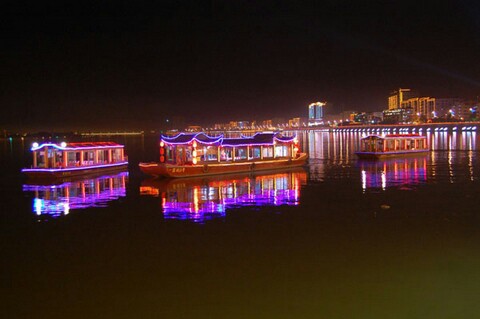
59 200
225 141
252 144
75 148
218 139
207 199
66 169
399 172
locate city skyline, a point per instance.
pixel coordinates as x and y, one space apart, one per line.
92 66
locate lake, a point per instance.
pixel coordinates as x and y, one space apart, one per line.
342 238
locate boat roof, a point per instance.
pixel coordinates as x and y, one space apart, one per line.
77 146
184 138
261 138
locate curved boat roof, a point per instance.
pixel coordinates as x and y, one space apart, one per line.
77 146
183 138
258 139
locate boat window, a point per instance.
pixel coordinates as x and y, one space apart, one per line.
211 153
281 151
241 153
179 156
268 151
188 155
390 145
169 154
116 155
369 145
101 156
71 159
58 158
379 146
254 152
411 144
207 153
226 154
41 159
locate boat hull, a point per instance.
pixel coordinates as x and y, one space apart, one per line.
179 171
54 173
380 155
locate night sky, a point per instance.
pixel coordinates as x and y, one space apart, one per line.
128 65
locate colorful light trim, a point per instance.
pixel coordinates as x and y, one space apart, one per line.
38 147
255 144
76 168
168 140
231 142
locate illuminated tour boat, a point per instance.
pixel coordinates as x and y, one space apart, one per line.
72 159
190 155
375 146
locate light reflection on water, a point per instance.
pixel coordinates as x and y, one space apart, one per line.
452 160
336 254
60 198
341 145
403 173
203 199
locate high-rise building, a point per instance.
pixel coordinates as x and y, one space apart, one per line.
315 113
421 106
397 97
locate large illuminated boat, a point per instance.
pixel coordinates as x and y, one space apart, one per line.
375 146
52 160
190 155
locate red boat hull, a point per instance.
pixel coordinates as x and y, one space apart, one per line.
177 171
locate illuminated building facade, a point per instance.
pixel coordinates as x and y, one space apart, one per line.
397 97
315 113
417 109
397 116
297 122
423 107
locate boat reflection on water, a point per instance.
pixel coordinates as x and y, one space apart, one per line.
403 173
58 199
202 199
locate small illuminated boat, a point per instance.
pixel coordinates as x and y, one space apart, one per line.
52 160
190 155
375 146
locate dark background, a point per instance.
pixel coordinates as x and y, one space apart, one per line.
133 65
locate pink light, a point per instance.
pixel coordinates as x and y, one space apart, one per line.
75 148
225 141
72 168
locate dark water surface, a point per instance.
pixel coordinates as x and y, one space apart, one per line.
341 239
